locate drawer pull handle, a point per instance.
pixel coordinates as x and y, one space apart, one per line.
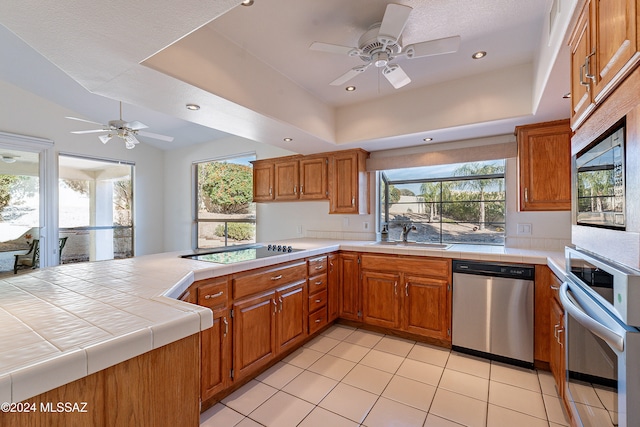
318 300
319 282
278 277
226 326
318 320
216 295
319 267
555 288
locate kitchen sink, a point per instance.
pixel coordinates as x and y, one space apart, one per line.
426 245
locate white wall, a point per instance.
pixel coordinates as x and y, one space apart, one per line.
24 113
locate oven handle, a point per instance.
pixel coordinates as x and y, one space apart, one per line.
573 308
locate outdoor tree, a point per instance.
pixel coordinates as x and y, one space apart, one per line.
226 187
480 185
430 192
6 182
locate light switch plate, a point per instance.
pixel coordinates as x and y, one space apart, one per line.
524 229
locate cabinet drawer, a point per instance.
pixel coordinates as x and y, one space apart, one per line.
317 300
424 266
317 283
214 294
265 279
317 320
317 265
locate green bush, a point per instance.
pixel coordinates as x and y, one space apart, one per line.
237 231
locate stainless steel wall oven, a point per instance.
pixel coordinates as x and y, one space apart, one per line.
602 304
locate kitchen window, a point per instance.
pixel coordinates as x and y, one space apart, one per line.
225 211
457 203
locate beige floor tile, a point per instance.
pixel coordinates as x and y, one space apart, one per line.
547 383
364 338
352 352
339 332
458 408
517 399
220 415
349 401
391 413
429 354
419 371
322 343
395 345
555 410
282 410
410 392
248 397
320 417
310 386
514 375
303 357
469 364
435 421
332 367
467 384
248 422
279 374
503 417
384 361
367 378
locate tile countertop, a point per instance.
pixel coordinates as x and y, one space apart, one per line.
62 323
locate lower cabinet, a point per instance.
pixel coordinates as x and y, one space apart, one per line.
349 285
412 294
557 360
333 280
215 355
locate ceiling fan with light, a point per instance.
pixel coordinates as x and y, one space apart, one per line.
126 131
382 43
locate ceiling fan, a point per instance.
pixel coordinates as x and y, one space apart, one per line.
382 43
126 131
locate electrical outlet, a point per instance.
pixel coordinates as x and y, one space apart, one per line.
524 229
365 225
345 222
299 229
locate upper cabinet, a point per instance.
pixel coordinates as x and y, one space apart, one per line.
604 49
544 166
348 182
339 177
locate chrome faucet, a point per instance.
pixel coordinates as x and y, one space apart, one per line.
405 231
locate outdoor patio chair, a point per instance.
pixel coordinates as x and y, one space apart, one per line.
32 257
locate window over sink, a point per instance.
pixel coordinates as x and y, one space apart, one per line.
225 213
456 203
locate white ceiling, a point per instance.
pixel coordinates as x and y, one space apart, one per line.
252 72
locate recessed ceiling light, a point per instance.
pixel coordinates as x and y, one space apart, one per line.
479 55
7 158
246 2
193 107
350 88
567 95
427 139
288 139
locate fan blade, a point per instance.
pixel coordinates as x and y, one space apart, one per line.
80 132
433 47
334 48
83 120
136 125
396 76
393 22
155 136
349 75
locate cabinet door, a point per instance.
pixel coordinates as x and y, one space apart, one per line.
615 42
544 161
286 180
427 307
348 183
581 85
332 287
291 322
380 299
349 286
313 178
215 351
263 182
557 359
253 333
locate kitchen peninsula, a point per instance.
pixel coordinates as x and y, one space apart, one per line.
107 324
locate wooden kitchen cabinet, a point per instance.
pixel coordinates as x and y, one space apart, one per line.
291 317
287 180
544 166
542 304
333 280
411 294
604 50
313 178
348 182
215 355
349 285
557 357
290 178
263 181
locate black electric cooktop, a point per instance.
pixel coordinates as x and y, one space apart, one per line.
230 255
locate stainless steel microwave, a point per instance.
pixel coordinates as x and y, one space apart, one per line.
599 182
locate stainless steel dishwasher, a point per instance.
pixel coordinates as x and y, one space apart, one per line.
493 310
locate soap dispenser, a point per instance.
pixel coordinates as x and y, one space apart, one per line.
384 234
